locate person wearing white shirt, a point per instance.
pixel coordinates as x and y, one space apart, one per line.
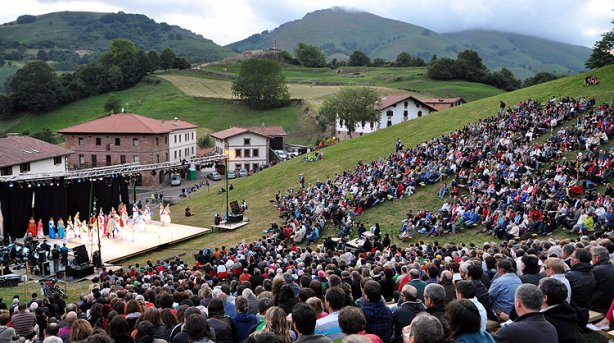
466 290
555 268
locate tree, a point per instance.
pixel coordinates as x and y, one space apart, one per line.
6 106
351 105
35 87
403 60
603 52
540 77
359 59
442 69
379 62
261 84
503 79
181 63
154 60
469 66
167 59
113 104
309 56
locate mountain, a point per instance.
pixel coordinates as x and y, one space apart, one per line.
90 33
523 55
338 32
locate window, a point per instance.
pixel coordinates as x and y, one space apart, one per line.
24 167
175 138
175 154
371 124
135 141
118 141
187 137
246 141
255 166
6 171
165 139
192 135
417 105
389 123
187 152
246 153
98 141
94 161
192 150
389 113
108 159
406 103
246 166
237 152
81 159
179 138
255 152
157 140
179 153
405 115
157 158
122 159
167 156
136 159
57 161
419 113
81 140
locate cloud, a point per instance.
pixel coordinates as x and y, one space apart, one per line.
226 21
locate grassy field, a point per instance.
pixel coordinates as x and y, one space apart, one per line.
216 88
407 79
165 101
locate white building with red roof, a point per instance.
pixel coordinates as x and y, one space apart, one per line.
249 147
127 138
21 155
394 109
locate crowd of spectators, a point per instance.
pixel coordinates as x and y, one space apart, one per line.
273 290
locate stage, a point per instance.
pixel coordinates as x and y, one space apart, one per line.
144 238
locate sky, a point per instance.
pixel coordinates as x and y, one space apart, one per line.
578 22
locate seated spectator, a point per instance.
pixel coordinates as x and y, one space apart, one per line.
528 303
304 323
555 269
603 271
423 329
81 330
353 322
465 323
197 329
558 312
435 301
466 290
24 322
410 307
220 322
379 316
276 322
328 326
530 270
7 334
243 320
501 292
119 331
582 283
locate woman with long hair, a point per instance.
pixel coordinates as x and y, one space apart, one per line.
277 323
80 330
145 333
464 320
119 330
133 311
153 316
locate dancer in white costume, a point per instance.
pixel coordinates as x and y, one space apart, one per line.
165 215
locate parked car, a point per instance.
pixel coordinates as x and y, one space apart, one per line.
232 174
215 176
281 154
243 172
176 180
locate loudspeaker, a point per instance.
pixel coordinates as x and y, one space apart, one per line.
81 255
234 207
81 271
235 218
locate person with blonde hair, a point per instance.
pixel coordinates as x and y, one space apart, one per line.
555 269
276 322
81 329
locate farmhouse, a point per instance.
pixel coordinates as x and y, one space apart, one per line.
21 155
393 110
130 138
443 103
249 147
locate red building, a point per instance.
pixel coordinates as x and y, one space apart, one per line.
128 138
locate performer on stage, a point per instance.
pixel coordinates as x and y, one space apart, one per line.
123 215
146 215
84 230
77 226
40 233
70 229
101 221
51 225
135 214
31 231
165 214
61 228
110 227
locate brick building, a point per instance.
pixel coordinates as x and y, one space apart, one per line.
128 138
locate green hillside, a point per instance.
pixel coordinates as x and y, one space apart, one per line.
522 54
339 32
90 33
258 189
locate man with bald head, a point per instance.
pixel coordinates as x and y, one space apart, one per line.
446 282
406 312
414 276
64 332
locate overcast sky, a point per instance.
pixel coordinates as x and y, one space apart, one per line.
225 21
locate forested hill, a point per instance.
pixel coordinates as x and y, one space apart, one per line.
69 36
338 32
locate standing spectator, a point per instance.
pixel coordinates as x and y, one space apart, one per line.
582 283
531 322
555 269
501 292
465 323
466 290
603 270
24 322
558 312
353 322
334 300
379 316
304 323
243 320
435 300
407 311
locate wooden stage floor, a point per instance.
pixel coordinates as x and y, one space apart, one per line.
145 238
